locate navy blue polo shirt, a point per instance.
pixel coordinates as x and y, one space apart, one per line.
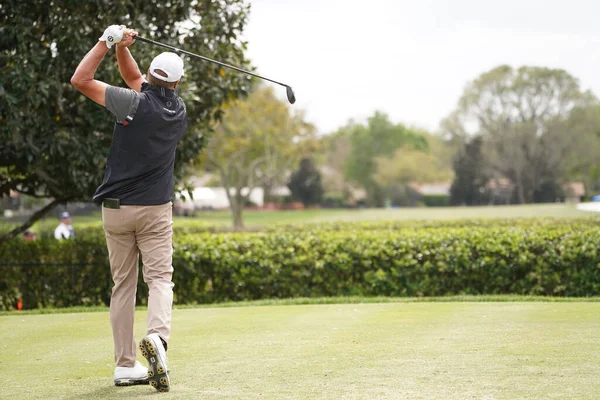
139 167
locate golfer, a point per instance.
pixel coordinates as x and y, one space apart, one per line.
136 197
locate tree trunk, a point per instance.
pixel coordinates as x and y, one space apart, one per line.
267 189
520 186
521 193
237 206
236 202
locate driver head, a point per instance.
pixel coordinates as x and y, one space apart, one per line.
290 94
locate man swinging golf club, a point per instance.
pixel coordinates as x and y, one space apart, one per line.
136 197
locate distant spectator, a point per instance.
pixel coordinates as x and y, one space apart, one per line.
29 235
64 230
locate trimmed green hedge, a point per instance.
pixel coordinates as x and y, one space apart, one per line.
557 260
51 273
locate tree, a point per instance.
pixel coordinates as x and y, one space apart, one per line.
583 163
378 138
471 175
257 141
407 166
523 116
54 141
410 166
334 150
305 183
427 162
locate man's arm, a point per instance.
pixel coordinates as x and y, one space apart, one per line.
83 78
127 66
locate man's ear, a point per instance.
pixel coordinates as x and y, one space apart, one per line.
176 83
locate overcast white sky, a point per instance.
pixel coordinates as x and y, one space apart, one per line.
411 58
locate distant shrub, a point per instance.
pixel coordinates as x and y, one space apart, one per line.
436 200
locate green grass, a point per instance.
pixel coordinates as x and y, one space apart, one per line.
266 218
262 219
404 350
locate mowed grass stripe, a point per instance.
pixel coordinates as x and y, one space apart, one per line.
350 351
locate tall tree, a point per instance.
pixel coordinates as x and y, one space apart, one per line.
379 138
258 140
471 175
305 183
54 141
523 116
583 162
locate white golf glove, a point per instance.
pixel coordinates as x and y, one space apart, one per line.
112 35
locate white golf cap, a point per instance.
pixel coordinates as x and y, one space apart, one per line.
169 63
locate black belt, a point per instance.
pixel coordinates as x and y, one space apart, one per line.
111 203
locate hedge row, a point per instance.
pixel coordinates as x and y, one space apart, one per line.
547 222
561 260
190 226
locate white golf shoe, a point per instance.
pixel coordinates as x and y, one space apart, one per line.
154 351
127 376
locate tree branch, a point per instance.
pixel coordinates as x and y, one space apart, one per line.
11 185
30 193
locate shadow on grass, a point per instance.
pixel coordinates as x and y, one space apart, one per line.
114 392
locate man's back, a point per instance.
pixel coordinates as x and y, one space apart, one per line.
140 163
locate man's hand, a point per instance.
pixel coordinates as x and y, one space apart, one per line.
128 37
112 35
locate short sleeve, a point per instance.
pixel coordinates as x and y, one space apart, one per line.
120 101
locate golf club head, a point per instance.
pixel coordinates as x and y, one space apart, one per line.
290 95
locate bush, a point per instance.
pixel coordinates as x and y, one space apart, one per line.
334 200
528 257
436 200
52 273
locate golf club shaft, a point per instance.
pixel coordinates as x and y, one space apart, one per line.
206 59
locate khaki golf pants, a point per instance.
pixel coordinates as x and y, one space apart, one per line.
131 231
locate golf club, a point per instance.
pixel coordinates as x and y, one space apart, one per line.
289 92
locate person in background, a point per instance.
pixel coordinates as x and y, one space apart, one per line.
64 230
29 235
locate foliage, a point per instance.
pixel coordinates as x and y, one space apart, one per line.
583 163
379 138
305 183
398 173
257 141
402 195
470 185
436 200
410 166
548 259
52 273
54 140
525 117
334 150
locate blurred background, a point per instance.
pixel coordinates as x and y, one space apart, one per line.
401 105
435 149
